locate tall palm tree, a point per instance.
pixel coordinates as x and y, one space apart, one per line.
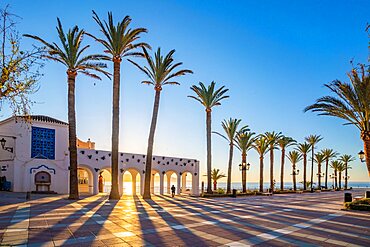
283 143
304 148
294 157
272 138
161 71
71 55
230 127
319 159
216 175
335 165
261 145
346 159
351 102
329 154
209 97
313 140
244 142
340 169
119 41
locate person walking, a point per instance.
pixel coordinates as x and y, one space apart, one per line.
173 189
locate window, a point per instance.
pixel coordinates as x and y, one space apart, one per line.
43 143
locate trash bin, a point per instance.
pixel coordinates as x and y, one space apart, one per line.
367 194
347 197
234 193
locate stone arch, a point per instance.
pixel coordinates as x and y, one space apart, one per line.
85 179
172 178
106 173
133 186
155 182
187 178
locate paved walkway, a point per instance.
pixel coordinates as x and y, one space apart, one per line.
281 220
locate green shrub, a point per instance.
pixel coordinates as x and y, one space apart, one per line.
220 191
363 205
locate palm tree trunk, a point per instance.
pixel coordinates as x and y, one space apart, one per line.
313 155
340 180
209 150
149 154
261 173
244 172
336 179
215 185
271 169
282 169
73 179
326 173
319 176
346 177
231 151
366 139
114 192
294 179
304 171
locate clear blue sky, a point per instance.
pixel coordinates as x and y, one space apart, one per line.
274 56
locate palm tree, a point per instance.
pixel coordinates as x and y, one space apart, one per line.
294 157
335 165
304 148
231 128
209 97
283 143
346 158
329 154
351 102
161 71
272 138
313 140
319 159
261 145
340 169
70 54
119 41
244 142
215 176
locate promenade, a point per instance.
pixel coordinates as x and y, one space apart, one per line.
279 220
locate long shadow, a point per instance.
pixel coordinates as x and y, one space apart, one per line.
190 237
225 225
61 225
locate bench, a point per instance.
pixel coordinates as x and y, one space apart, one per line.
356 198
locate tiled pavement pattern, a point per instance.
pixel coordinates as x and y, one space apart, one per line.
281 220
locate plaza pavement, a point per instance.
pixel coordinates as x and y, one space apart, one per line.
310 219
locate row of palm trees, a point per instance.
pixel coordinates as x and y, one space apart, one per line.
119 41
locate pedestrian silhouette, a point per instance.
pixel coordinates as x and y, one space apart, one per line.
173 190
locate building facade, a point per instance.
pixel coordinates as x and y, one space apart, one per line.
34 157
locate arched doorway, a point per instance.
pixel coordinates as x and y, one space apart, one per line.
170 178
131 182
85 180
107 180
155 182
187 183
42 181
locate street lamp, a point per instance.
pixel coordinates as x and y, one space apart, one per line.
2 143
361 155
243 167
295 172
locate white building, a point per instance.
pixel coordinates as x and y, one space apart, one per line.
34 157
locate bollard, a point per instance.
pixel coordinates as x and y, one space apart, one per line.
367 194
234 193
28 195
347 197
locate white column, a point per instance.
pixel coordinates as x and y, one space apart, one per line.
178 184
96 183
195 185
142 181
169 183
183 182
161 183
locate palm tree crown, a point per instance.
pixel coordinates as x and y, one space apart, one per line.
120 38
244 140
161 70
294 157
209 96
351 102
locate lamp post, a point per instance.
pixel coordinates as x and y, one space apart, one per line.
243 167
294 174
361 155
2 143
